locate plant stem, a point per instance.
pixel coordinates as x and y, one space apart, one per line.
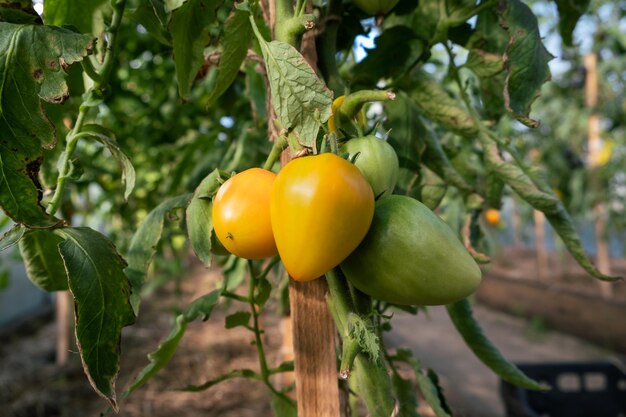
100 79
327 61
279 144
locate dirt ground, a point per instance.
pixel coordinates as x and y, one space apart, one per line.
31 385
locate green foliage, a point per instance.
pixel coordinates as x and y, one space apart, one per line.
101 293
43 262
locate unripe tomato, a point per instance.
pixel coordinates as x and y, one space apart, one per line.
241 214
411 257
377 160
321 209
492 216
376 7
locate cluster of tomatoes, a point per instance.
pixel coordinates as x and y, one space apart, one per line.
323 211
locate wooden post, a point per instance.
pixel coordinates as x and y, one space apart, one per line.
540 244
63 326
594 145
317 387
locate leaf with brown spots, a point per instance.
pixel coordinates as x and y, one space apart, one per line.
33 60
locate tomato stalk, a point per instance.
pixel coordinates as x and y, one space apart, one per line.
371 375
279 145
100 81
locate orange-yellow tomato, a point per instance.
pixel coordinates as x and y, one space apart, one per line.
492 216
241 214
321 209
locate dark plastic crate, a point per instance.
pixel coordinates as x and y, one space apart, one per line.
588 389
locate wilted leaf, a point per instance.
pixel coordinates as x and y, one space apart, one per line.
33 60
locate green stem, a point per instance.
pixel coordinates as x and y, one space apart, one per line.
100 79
279 144
255 324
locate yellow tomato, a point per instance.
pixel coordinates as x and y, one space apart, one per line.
492 216
241 214
321 209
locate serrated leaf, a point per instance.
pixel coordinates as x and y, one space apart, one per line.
526 61
189 28
300 99
43 262
283 406
463 319
199 217
541 198
240 318
11 237
143 244
107 138
436 104
569 13
201 307
235 42
33 60
101 292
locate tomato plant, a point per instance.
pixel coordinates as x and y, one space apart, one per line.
116 189
241 214
321 209
377 161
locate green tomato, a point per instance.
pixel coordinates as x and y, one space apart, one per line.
377 161
411 257
376 7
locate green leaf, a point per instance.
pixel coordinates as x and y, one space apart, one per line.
283 406
396 48
201 307
437 105
143 244
76 13
462 317
526 61
407 130
263 291
300 99
569 13
33 60
433 189
101 294
18 12
199 217
235 42
406 393
107 138
43 262
542 198
11 237
429 389
240 318
153 16
189 28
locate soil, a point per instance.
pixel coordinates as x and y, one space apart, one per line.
32 385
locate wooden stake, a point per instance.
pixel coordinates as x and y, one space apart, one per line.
63 325
594 144
317 387
540 244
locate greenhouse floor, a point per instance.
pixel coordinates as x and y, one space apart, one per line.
471 389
